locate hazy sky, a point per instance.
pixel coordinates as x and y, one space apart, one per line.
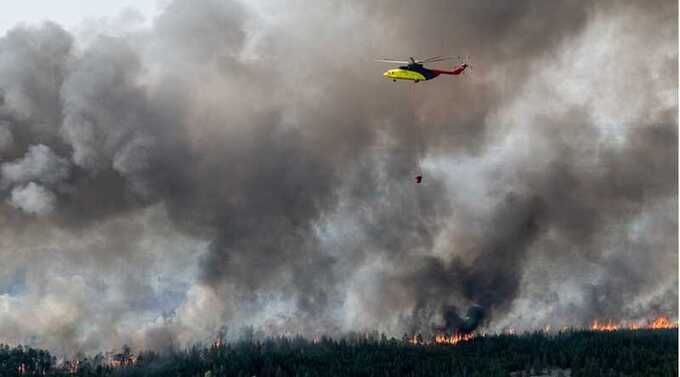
68 13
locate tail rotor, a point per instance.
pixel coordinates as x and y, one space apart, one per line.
466 61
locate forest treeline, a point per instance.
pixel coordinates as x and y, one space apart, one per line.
642 353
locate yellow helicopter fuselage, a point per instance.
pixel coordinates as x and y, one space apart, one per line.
404 74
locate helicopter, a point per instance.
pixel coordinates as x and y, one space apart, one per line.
414 70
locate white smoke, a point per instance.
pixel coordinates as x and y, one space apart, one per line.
39 164
33 199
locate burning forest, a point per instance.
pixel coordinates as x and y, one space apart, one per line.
580 353
457 336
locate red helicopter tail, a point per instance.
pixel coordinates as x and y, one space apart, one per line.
457 70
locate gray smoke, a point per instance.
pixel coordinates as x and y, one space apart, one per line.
238 165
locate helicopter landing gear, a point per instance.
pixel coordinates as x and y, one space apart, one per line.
395 80
416 81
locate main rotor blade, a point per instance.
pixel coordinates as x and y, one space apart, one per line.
428 59
392 61
435 59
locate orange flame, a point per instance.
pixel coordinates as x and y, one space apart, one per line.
602 326
661 322
453 339
439 339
